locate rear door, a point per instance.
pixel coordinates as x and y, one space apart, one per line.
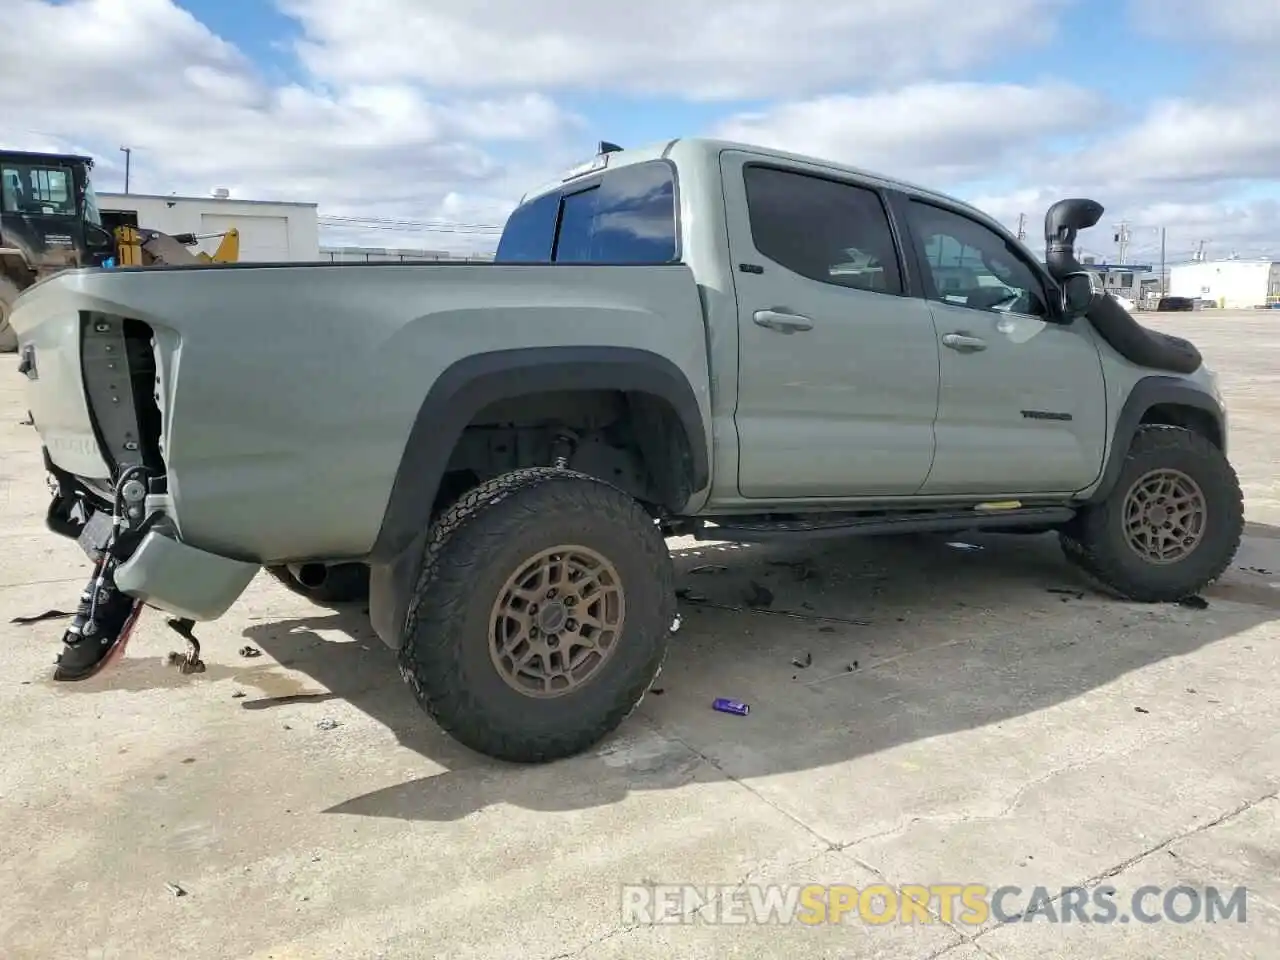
837 365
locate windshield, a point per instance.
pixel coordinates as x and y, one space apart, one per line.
38 190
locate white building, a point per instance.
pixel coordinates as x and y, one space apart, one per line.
269 231
1231 284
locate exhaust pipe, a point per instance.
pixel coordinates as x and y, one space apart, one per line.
310 575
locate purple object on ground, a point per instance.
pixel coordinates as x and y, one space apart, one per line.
736 707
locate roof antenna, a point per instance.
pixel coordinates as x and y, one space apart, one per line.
607 147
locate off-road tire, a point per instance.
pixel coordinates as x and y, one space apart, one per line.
8 336
1095 540
471 551
345 583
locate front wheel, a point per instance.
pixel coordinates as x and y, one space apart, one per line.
541 616
1169 527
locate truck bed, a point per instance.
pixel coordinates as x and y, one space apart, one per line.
299 383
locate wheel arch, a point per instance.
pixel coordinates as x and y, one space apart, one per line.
656 389
1170 401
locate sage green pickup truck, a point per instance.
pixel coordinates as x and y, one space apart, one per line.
698 338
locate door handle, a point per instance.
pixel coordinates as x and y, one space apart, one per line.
963 342
781 321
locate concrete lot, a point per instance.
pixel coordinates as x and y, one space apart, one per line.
961 722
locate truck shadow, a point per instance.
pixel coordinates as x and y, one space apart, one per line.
842 651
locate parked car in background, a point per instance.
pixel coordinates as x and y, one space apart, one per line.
1174 304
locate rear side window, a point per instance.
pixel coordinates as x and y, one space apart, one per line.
628 217
825 230
530 231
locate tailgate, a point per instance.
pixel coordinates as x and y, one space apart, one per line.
48 322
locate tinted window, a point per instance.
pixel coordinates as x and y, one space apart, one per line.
822 229
530 231
628 217
577 216
970 265
635 221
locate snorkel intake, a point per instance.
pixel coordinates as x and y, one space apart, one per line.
1083 297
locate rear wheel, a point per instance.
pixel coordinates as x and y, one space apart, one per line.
1170 526
8 294
541 617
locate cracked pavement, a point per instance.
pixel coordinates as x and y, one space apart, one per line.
969 716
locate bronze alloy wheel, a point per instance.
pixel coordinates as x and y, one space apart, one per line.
557 621
1164 516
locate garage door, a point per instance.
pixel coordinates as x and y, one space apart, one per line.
261 238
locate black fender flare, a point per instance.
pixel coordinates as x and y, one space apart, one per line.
1149 392
472 383
464 389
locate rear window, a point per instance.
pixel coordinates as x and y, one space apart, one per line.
628 216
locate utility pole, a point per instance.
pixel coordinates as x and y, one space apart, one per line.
1022 226
1163 281
128 156
1200 251
1122 238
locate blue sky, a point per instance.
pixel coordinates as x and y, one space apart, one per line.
417 123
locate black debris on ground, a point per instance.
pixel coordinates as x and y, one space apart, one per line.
1194 602
1141 710
758 596
176 890
1067 593
249 652
40 617
803 662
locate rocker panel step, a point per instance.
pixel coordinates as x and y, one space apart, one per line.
861 525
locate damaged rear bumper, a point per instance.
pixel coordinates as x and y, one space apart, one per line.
157 568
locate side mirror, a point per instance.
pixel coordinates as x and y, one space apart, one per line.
1080 292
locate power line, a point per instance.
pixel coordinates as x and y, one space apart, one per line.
422 229
409 222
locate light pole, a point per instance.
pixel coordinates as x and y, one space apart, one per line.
1163 282
128 156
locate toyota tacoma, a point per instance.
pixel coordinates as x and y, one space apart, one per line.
698 338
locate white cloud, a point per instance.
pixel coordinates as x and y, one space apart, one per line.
198 115
1243 22
702 49
936 133
1183 141
413 110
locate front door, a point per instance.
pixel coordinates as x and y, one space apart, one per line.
837 367
1022 407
